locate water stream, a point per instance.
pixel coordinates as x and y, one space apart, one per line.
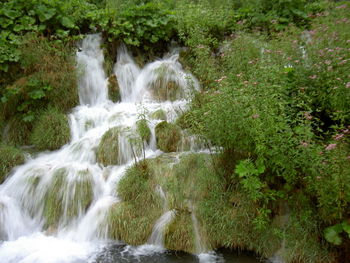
72 172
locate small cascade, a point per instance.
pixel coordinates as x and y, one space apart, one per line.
54 208
90 61
199 245
157 237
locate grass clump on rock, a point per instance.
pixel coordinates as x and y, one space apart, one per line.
51 131
113 88
159 115
132 220
168 136
164 87
179 234
108 149
10 157
17 132
66 198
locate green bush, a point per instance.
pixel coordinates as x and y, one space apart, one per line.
47 73
10 157
50 131
143 130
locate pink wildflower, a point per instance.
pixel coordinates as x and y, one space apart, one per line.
255 116
342 7
331 146
313 77
338 137
305 144
239 75
307 116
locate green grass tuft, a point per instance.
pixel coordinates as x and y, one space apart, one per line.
113 89
51 131
168 136
10 157
158 115
131 220
108 149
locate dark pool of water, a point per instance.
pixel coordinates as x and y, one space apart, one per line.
117 253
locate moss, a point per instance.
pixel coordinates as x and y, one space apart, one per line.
108 149
51 131
158 115
66 198
53 205
179 234
164 88
168 136
17 132
10 157
131 220
143 130
113 88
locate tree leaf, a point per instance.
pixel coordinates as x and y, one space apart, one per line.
66 22
331 234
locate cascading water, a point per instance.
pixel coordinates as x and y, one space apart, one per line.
53 208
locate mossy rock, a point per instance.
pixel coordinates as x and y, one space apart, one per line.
143 130
179 234
57 206
164 87
131 220
51 131
113 88
168 136
10 157
17 132
108 149
158 115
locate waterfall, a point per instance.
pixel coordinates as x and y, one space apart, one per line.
53 208
157 237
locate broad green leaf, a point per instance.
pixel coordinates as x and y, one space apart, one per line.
44 13
331 234
11 13
37 94
66 22
346 227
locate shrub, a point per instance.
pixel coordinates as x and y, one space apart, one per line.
50 131
143 130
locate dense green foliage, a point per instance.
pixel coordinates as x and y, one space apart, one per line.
275 105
